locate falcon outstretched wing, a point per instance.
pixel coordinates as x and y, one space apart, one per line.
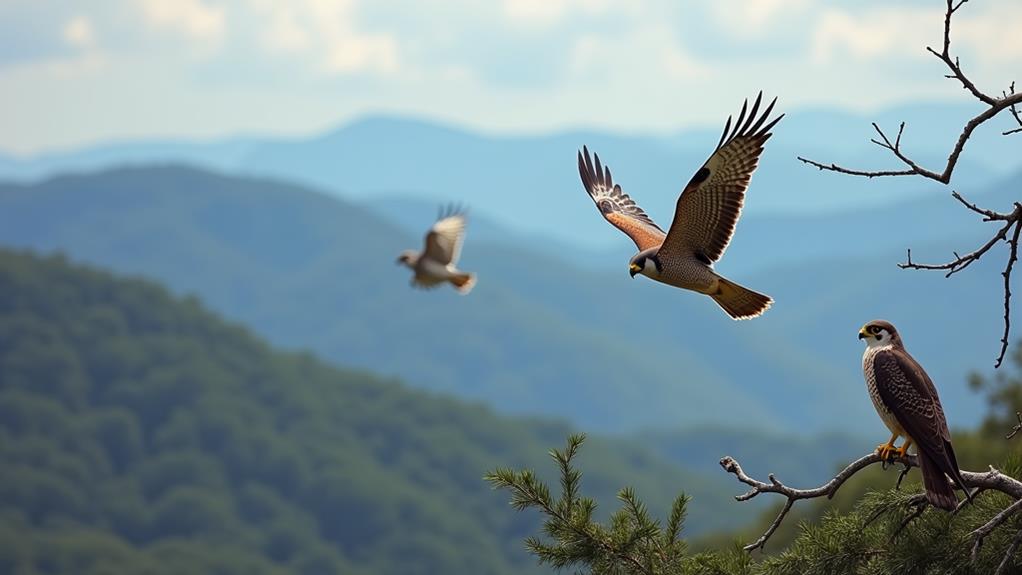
910 395
617 207
443 242
709 206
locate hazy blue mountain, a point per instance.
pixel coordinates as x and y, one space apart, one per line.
142 434
529 183
764 242
539 335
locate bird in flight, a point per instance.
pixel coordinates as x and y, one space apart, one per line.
437 263
704 218
907 402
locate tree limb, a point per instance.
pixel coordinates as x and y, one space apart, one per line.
992 480
1008 100
1013 224
1014 112
1018 426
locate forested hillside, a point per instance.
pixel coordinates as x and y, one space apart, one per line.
540 335
141 434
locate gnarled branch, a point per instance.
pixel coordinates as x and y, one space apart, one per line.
1008 100
1013 226
1014 112
992 480
1017 427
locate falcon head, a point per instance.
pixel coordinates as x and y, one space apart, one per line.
645 263
408 258
879 333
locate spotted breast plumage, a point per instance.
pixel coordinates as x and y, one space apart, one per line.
907 402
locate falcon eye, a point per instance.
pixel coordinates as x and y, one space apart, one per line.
874 329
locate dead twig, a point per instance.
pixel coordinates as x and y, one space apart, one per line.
1018 426
1009 232
1013 226
1014 112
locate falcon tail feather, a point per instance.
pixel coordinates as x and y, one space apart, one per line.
740 302
938 489
464 282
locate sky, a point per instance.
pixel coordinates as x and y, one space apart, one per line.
77 72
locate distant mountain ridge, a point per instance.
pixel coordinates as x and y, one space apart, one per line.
539 335
529 183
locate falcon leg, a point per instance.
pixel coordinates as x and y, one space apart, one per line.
901 451
885 450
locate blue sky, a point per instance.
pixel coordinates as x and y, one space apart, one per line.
74 72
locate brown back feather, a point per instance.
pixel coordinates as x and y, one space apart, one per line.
710 205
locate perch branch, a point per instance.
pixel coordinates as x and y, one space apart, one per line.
988 480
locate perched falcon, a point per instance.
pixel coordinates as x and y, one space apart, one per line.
436 264
907 402
704 218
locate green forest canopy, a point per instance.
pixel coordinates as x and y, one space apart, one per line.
141 434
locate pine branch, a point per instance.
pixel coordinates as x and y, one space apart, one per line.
633 543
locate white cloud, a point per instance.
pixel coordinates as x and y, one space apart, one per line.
756 18
78 32
875 33
326 33
376 52
192 17
995 35
541 13
544 64
649 52
984 39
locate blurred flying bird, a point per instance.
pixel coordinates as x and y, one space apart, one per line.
704 218
907 402
437 263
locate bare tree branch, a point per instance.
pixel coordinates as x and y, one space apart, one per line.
1009 100
992 480
1013 225
1018 426
1014 112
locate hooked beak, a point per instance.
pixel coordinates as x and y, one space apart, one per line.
863 334
634 269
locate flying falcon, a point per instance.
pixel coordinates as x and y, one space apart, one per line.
907 402
704 218
436 264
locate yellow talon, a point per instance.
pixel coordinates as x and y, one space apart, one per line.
886 449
